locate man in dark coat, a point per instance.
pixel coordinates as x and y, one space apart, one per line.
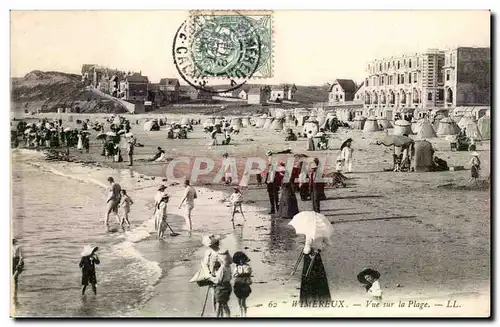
314 188
272 191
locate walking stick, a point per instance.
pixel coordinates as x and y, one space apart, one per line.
171 230
205 303
301 255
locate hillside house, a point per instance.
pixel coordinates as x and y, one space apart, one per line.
134 88
170 88
283 92
342 90
256 95
188 92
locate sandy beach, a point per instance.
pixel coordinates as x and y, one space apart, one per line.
427 233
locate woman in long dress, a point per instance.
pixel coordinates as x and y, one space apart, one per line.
346 154
314 286
80 142
211 259
288 202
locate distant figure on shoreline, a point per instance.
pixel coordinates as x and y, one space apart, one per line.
125 204
189 196
158 197
113 200
17 264
87 265
161 216
236 200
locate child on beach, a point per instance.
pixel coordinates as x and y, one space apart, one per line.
242 280
222 284
125 204
87 265
369 278
236 199
161 216
475 168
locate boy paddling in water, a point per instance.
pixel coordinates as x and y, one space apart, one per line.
113 200
87 265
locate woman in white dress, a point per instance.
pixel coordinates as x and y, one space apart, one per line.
346 154
80 142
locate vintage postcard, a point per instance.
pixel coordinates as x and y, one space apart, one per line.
250 163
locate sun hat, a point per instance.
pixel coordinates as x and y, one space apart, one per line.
240 258
161 187
474 154
370 272
209 240
88 250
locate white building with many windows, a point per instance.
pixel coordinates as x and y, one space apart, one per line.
406 83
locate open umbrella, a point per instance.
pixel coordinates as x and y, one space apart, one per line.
68 129
27 131
85 132
312 224
129 135
110 134
101 136
396 140
121 132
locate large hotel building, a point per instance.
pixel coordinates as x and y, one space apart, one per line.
419 83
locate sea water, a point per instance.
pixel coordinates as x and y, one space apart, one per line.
57 208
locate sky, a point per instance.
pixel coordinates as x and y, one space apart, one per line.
310 47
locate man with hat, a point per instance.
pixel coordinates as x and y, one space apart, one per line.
131 143
314 187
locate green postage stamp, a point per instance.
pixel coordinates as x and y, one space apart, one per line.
231 44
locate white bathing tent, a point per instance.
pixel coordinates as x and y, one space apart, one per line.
371 125
402 127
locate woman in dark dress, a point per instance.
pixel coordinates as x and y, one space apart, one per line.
87 265
314 287
288 206
320 186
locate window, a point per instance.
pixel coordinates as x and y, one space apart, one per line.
440 95
415 77
447 75
409 63
399 64
429 96
367 84
409 78
399 78
341 96
402 78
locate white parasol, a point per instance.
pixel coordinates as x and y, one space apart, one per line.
110 134
27 131
67 129
129 135
312 224
88 250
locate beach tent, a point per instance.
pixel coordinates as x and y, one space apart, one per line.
464 121
414 126
321 120
300 116
267 124
484 127
185 121
425 130
371 125
117 121
219 121
260 121
311 127
245 121
402 127
148 125
236 123
447 126
437 119
424 155
472 131
359 122
209 122
277 124
384 123
279 113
